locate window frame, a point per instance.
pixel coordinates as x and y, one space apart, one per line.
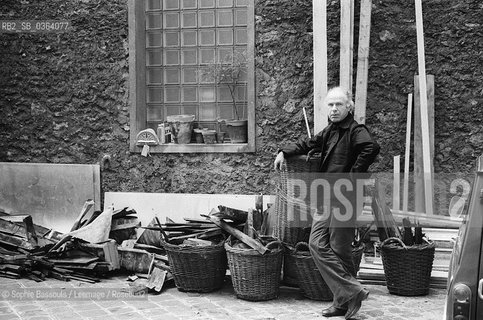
137 88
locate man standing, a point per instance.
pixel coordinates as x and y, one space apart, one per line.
346 147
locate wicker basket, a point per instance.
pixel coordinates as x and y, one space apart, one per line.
255 277
407 268
301 163
289 269
198 269
293 232
309 279
290 277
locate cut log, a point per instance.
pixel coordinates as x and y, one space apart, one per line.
239 235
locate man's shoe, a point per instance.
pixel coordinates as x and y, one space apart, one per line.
356 303
333 312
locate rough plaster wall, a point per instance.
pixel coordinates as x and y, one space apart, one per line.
64 97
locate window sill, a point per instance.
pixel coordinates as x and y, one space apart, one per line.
199 148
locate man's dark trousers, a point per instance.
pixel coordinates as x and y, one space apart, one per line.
331 247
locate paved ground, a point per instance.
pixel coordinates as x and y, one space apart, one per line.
19 300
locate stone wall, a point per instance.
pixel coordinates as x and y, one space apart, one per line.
64 97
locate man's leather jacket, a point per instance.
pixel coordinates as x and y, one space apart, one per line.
351 148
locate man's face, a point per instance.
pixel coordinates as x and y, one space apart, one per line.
338 107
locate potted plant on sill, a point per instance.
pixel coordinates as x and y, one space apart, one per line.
229 73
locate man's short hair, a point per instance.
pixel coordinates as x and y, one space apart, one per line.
341 91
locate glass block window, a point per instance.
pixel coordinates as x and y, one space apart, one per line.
153 5
154 39
177 44
207 18
189 57
207 3
171 4
174 29
189 4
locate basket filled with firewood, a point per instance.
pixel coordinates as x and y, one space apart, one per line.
408 262
255 276
407 268
197 265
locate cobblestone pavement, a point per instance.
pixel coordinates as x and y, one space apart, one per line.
172 304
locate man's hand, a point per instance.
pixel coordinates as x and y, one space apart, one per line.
279 160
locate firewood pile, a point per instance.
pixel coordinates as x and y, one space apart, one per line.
101 242
35 252
387 227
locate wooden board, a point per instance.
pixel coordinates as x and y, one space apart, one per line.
418 139
407 153
319 11
53 194
178 206
74 260
438 278
425 131
239 235
363 61
396 183
346 43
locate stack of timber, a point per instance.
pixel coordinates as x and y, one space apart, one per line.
251 225
85 253
409 229
147 254
24 253
175 232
